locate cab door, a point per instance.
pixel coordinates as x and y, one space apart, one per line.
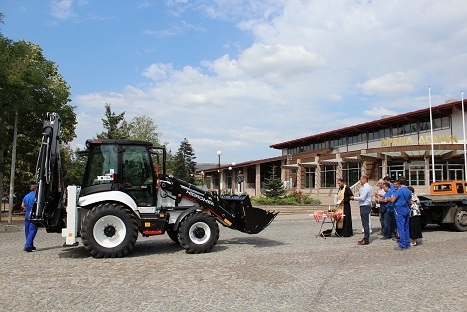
137 175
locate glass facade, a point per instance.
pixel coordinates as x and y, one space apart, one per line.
310 178
374 134
351 173
415 171
328 176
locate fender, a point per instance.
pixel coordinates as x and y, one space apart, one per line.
116 196
184 214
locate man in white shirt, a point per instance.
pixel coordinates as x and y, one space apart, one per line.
364 201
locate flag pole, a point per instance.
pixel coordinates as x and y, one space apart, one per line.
431 132
463 132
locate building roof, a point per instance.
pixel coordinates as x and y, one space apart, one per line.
244 164
414 116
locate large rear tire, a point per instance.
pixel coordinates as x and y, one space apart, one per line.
173 235
198 233
460 221
109 230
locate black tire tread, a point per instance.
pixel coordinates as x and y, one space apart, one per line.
184 238
173 235
95 214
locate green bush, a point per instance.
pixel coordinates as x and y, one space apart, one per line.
294 198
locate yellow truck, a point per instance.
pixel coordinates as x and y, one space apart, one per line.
446 204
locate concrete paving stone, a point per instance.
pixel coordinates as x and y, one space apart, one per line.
283 268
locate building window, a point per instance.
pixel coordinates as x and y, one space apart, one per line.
401 129
373 135
328 176
448 171
415 174
356 138
229 177
384 133
216 180
351 173
438 123
396 170
310 178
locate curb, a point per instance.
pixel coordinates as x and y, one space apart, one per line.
8 228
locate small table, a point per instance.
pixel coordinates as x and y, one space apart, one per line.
327 217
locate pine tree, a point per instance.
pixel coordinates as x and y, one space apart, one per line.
273 184
184 164
116 126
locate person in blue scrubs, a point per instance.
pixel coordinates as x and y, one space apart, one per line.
30 229
401 199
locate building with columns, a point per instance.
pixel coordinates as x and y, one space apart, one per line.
400 145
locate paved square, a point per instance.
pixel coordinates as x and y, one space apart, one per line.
284 268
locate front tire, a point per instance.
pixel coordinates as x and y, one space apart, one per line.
109 230
198 233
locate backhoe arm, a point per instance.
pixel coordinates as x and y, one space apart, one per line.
49 209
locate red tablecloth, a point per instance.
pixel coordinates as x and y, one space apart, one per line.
318 215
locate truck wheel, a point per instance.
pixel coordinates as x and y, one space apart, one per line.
198 233
173 235
109 230
460 221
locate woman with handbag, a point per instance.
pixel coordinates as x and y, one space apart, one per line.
415 222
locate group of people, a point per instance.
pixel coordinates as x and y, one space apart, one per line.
398 207
399 210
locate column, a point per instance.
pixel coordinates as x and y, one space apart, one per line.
317 174
384 165
221 180
364 168
339 170
299 174
258 180
427 171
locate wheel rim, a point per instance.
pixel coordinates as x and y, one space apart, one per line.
199 233
109 231
462 218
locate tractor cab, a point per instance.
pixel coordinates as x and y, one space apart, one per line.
120 165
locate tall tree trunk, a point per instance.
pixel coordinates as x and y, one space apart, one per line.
1 170
13 167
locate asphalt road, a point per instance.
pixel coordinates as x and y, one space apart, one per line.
284 268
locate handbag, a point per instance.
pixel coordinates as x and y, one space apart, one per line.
382 208
415 210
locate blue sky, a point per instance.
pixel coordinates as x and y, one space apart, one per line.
237 75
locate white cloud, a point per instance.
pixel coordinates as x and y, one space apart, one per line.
62 9
379 112
278 62
309 65
394 84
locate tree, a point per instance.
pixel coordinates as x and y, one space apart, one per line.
73 165
184 164
117 127
30 86
143 128
273 184
1 22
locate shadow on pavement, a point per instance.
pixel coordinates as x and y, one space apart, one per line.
154 247
437 228
163 247
258 242
74 252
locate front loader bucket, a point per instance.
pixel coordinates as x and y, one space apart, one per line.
248 219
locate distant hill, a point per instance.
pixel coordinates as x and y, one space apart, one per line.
202 166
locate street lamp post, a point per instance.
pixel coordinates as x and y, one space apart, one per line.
219 153
231 186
